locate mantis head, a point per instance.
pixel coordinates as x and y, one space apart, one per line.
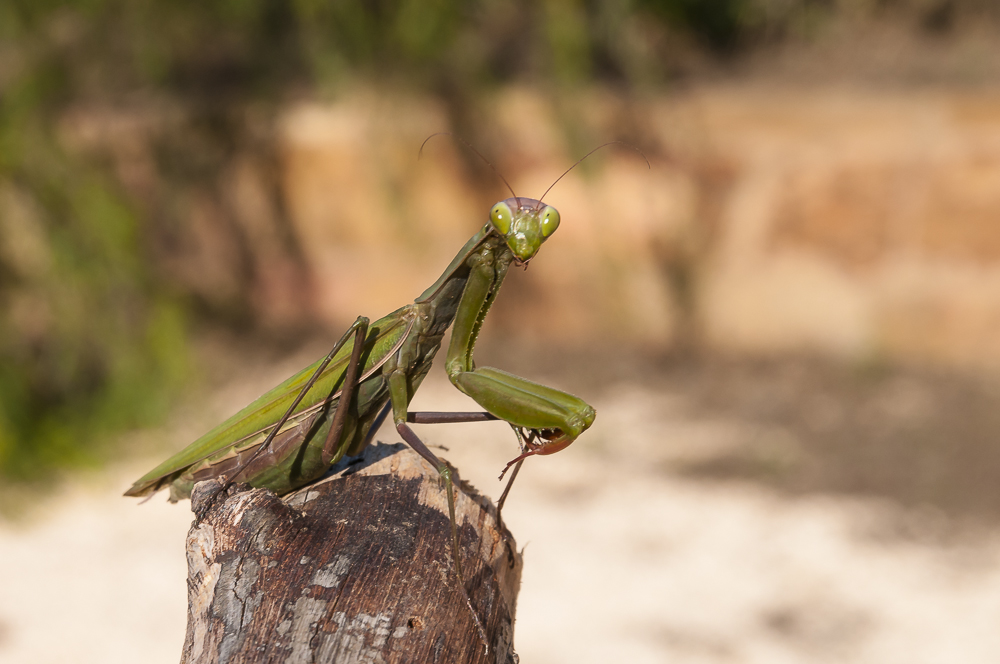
524 223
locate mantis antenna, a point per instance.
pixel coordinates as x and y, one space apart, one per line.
587 155
477 152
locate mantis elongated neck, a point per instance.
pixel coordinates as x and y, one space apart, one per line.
457 267
487 269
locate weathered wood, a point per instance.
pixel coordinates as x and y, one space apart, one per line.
354 568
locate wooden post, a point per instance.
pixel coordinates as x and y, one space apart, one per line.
354 568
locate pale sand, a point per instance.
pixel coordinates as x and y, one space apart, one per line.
624 561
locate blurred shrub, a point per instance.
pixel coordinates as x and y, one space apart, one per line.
91 318
88 344
91 321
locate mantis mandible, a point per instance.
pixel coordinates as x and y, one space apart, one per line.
291 435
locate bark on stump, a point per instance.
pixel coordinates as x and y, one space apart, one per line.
354 568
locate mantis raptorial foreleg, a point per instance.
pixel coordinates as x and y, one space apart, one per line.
333 408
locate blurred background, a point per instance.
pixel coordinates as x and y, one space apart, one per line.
789 323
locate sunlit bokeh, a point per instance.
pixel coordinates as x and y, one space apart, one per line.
779 285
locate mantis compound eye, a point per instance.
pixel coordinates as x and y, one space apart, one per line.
550 221
501 217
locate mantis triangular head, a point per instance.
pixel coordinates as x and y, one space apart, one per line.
524 223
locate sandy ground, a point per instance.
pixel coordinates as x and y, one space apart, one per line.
628 557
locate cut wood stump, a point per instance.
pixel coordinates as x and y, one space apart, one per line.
356 567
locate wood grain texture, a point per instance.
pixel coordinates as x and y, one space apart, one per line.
354 568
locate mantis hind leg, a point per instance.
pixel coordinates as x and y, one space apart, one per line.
359 329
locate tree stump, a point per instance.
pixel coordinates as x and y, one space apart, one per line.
356 567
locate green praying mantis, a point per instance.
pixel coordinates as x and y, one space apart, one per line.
292 435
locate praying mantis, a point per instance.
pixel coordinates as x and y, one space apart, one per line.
291 435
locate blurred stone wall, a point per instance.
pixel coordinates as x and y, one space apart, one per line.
378 225
856 223
859 223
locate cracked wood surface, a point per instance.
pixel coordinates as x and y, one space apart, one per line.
354 568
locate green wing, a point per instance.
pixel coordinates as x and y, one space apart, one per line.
267 409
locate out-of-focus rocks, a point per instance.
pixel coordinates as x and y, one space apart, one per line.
849 222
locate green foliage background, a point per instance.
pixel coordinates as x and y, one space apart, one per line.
93 333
